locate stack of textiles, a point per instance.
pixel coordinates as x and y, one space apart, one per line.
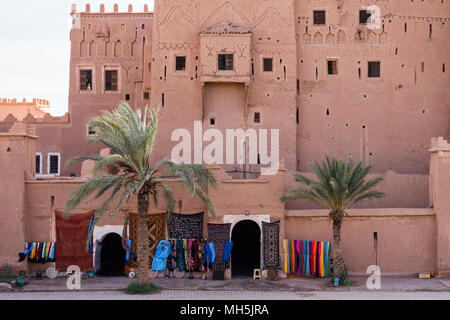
186 254
38 252
309 258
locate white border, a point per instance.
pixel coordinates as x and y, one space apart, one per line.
59 163
40 163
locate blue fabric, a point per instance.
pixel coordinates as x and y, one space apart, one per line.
210 254
227 251
162 253
91 244
127 258
180 255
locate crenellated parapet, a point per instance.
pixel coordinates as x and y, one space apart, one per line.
30 119
102 9
38 103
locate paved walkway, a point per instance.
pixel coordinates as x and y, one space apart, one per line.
228 295
291 284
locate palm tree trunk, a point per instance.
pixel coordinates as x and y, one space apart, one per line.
338 262
143 250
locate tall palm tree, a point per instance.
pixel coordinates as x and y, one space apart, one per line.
130 170
340 185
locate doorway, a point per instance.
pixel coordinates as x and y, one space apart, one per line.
112 256
246 253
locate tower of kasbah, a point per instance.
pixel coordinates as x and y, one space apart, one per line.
314 70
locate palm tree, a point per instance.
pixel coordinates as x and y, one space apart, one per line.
339 186
129 170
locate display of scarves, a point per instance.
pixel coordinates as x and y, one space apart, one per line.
38 252
311 258
186 254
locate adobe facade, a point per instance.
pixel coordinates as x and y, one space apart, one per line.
311 69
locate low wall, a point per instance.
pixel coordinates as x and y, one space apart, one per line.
406 237
402 191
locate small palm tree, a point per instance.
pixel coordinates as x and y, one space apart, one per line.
339 186
129 171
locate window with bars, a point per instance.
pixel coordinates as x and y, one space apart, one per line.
53 164
268 64
364 16
111 80
85 80
319 17
332 66
180 63
225 62
373 69
38 163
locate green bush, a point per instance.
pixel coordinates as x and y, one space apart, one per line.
136 288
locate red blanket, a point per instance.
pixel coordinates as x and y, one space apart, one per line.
71 236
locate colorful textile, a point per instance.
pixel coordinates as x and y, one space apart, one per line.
185 226
71 235
311 258
219 234
162 253
271 240
38 252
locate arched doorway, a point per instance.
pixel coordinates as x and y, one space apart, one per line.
112 256
246 254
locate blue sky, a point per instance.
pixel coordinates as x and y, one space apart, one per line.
35 47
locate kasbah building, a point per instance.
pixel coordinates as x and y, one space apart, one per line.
312 69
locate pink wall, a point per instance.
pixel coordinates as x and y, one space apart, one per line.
406 237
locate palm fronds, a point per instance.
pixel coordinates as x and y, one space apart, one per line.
131 138
339 184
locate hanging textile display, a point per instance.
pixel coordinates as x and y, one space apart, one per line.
38 252
156 226
311 258
186 255
161 254
227 251
210 255
271 239
71 235
219 234
185 226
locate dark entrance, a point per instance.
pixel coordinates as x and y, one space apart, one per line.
246 254
112 256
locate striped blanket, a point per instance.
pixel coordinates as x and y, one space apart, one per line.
309 258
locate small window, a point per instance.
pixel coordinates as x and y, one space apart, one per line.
146 95
319 17
85 80
180 63
111 80
53 163
127 97
38 163
257 117
143 27
225 62
212 121
364 16
332 66
268 64
374 69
